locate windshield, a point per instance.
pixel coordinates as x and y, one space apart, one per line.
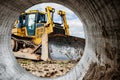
31 21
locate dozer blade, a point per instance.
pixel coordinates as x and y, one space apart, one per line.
26 54
63 47
56 47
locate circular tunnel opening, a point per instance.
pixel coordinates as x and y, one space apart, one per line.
64 49
101 56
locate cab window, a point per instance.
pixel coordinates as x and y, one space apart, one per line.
41 18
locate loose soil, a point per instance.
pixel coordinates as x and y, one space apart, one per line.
49 69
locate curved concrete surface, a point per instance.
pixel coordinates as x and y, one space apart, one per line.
101 59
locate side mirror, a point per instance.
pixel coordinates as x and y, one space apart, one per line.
53 10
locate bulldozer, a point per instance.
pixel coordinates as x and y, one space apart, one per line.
31 31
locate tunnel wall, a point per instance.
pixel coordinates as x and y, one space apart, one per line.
101 59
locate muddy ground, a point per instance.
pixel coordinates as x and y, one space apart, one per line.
49 69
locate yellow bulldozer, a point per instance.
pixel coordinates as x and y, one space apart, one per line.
31 31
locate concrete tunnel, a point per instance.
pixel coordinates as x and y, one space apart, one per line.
101 59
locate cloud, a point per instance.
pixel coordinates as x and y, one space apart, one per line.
75 25
76 28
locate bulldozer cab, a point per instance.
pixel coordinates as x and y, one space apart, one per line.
31 21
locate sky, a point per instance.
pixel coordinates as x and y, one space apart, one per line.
75 25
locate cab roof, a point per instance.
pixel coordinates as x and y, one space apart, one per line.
33 11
